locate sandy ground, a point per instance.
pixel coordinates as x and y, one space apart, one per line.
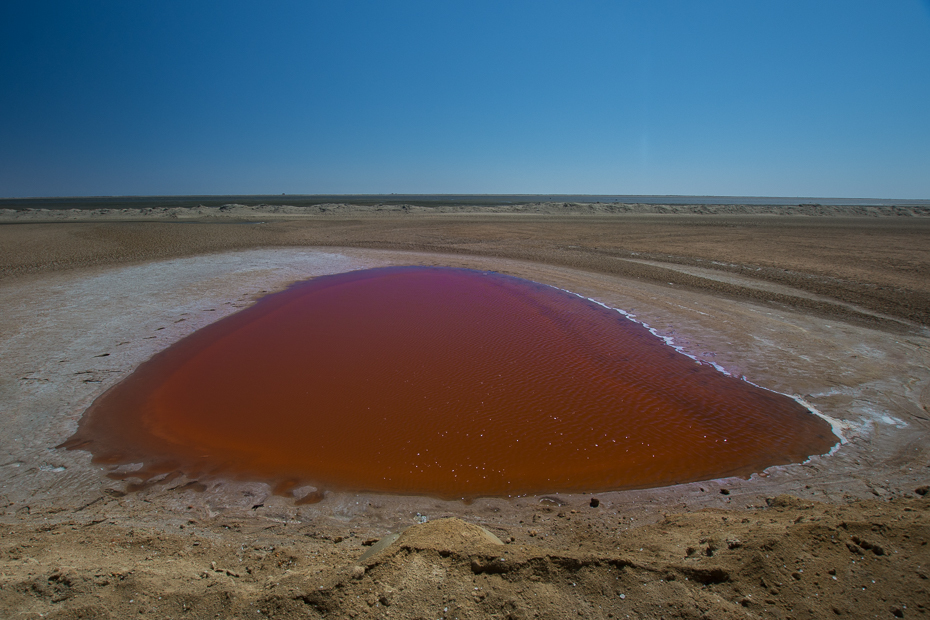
827 309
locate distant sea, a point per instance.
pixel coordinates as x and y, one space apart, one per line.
427 200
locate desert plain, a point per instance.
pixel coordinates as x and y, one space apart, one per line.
828 305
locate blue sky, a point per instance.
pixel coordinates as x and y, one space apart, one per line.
717 98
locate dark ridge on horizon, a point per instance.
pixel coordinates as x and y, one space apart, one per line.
427 200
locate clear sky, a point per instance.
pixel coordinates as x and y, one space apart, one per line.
765 98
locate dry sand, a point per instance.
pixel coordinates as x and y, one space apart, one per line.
827 309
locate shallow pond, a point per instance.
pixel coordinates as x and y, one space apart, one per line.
452 383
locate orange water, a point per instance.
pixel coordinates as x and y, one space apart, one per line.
445 382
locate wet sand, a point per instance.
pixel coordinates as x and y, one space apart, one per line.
833 311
